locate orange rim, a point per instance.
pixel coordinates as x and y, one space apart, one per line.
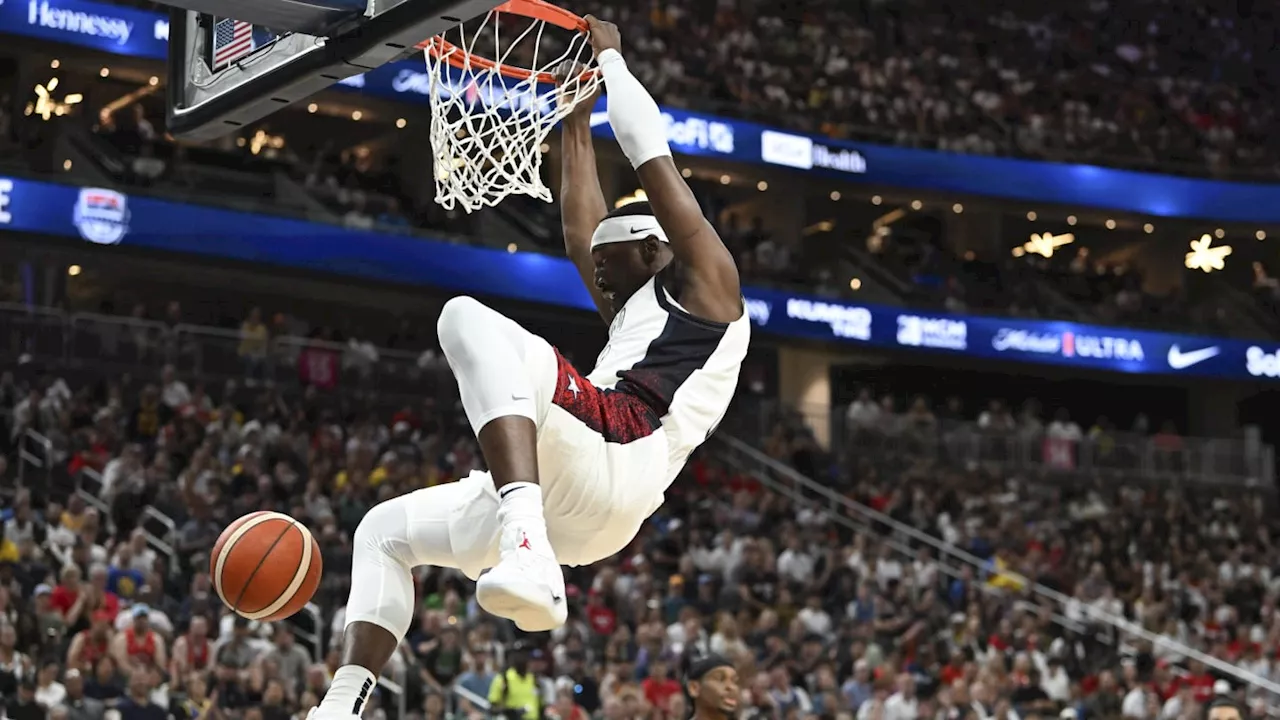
442 49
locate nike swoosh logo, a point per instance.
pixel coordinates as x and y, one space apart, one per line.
1179 360
556 598
637 231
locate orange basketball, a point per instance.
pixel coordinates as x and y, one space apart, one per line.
266 566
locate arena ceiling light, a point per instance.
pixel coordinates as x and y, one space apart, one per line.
1205 257
261 140
46 106
638 196
1044 244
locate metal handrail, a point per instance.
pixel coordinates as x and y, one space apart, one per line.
868 531
311 639
1065 601
1134 456
397 688
474 699
26 458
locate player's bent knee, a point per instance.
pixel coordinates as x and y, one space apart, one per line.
457 324
381 530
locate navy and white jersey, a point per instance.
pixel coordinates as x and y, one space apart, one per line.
684 368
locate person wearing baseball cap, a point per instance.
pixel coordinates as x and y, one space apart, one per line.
1224 708
712 682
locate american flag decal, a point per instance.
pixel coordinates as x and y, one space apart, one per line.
232 40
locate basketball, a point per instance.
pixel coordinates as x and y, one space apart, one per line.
265 566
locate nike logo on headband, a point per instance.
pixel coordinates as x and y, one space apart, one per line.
637 231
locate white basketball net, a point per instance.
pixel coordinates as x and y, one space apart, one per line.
487 129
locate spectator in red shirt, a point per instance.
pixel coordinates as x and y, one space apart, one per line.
1200 682
659 686
67 593
603 620
566 708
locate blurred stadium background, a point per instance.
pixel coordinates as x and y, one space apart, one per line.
1004 446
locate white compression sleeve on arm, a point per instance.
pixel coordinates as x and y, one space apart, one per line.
635 117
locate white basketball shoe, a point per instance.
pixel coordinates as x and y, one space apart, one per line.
527 584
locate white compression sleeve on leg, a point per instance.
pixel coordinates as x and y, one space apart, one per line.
636 120
488 362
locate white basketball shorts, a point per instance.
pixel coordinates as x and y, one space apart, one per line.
602 462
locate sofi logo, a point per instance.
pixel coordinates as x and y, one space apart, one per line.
42 13
1101 347
699 133
1260 363
846 321
938 333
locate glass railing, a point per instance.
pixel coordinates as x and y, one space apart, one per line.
898 441
94 343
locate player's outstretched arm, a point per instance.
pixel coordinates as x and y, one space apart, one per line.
582 205
713 287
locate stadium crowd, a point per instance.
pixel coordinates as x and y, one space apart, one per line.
821 622
1110 82
1106 82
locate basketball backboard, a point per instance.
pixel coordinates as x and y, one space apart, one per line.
232 62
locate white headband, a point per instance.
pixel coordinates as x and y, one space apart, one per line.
625 228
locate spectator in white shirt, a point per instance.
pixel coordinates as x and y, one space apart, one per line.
1134 704
863 413
814 618
49 692
794 564
1063 427
903 704
175 393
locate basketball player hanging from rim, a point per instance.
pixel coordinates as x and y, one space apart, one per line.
576 462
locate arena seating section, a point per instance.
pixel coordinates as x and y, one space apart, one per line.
937 560
1053 81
